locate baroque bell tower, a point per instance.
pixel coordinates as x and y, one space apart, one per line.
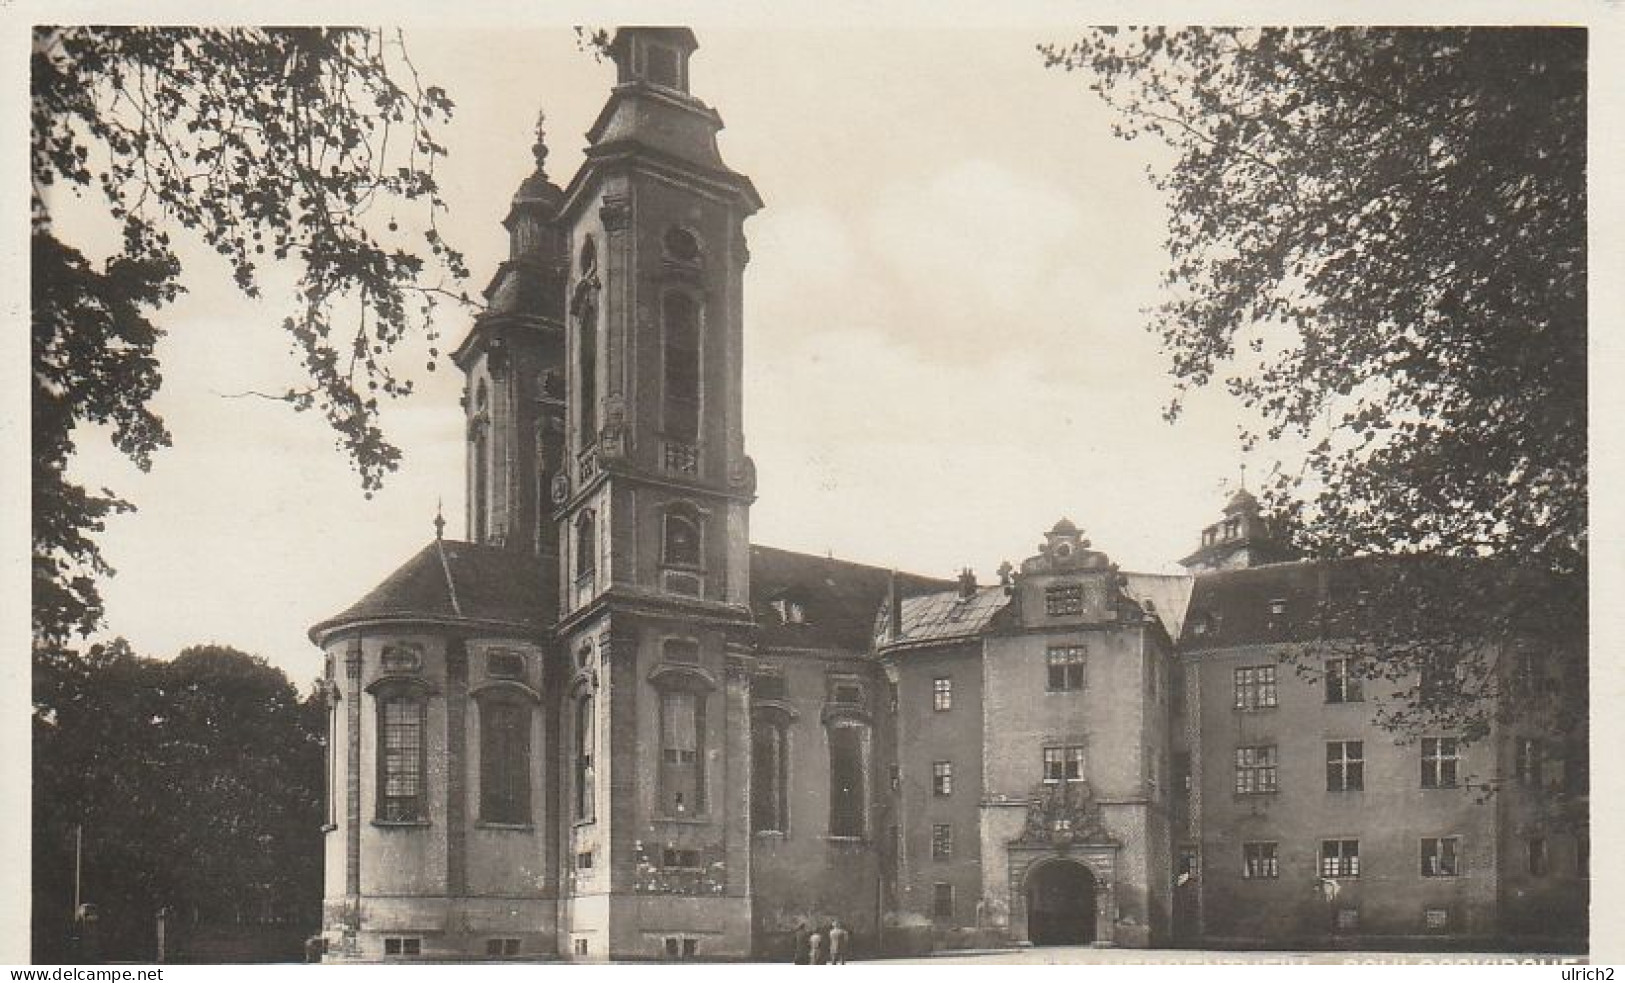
513 365
652 513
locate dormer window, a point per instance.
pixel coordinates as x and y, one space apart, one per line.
1232 528
790 612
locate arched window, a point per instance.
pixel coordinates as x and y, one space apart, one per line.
680 542
401 758
480 464
682 361
681 245
848 754
481 493
582 748
586 312
504 761
769 799
586 547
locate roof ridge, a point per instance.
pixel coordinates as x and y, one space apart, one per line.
451 584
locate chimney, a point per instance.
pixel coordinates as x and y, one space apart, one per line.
967 584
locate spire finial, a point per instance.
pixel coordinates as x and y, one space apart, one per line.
439 519
1243 475
539 148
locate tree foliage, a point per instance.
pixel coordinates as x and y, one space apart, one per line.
198 784
1377 241
300 147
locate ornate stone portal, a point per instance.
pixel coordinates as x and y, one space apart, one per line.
1063 826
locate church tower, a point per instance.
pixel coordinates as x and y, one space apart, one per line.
652 515
513 363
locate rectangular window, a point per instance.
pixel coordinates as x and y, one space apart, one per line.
942 841
584 860
682 778
1256 770
401 764
1537 856
504 762
1066 668
942 778
1063 764
1255 687
1441 856
1528 764
1343 685
396 946
896 777
1436 919
1345 766
1061 600
682 382
848 810
942 693
1190 861
1340 858
1258 861
1348 919
502 947
684 859
942 900
1439 760
579 947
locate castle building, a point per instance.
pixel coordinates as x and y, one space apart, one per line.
607 726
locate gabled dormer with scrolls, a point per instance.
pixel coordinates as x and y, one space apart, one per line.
1067 583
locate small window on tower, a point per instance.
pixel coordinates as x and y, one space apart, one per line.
681 546
681 245
660 65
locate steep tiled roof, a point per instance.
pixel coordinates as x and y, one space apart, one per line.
941 616
838 598
455 581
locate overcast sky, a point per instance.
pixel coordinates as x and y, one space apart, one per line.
945 344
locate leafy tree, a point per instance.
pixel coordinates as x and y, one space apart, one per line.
1377 240
198 784
290 146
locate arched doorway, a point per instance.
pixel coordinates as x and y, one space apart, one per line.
1061 904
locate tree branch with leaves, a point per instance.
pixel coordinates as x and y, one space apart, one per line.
313 148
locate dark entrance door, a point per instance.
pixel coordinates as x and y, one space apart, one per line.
1061 904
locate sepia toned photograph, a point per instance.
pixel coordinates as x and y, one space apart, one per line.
1014 494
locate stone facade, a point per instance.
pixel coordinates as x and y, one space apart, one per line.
607 726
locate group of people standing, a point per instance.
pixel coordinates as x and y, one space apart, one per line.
828 944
